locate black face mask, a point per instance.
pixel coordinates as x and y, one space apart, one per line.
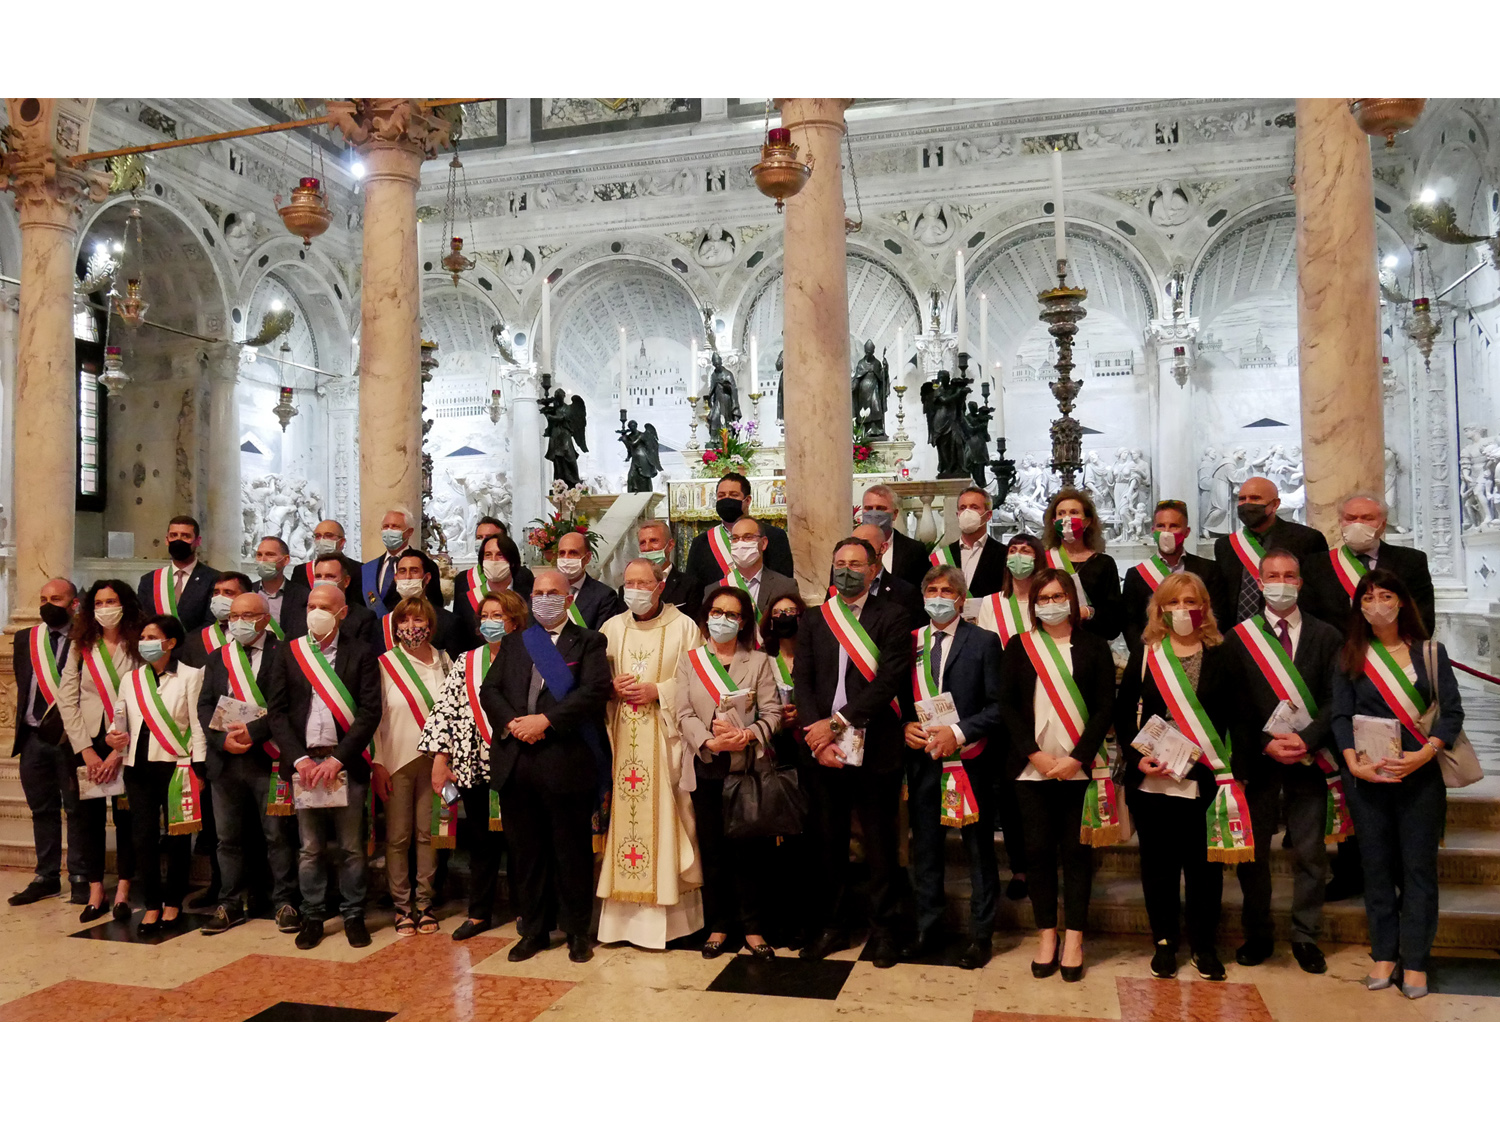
180 550
55 616
1251 514
784 627
730 509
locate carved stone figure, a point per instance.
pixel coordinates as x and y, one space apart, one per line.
519 266
931 227
871 389
716 247
1169 205
566 425
241 233
285 506
943 404
723 398
643 453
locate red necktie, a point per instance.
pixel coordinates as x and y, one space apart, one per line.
1284 635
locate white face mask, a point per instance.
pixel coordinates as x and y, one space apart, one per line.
745 554
970 521
1380 613
325 547
1053 613
109 616
409 587
1166 542
325 582
1360 537
496 570
1280 596
570 568
639 601
321 622
220 605
549 609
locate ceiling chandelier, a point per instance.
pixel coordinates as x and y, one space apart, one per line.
131 308
284 410
454 262
779 174
307 215
1385 117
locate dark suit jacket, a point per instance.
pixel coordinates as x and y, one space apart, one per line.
520 582
1330 602
1093 672
1219 685
290 702
989 575
704 570
293 619
192 603
909 560
902 593
1304 542
972 676
773 587
466 617
382 602
1315 659
563 753
215 684
51 726
353 593
815 675
1101 583
596 602
1135 596
363 626
193 652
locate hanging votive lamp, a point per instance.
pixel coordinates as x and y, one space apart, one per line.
454 261
307 215
1385 117
284 410
497 405
131 308
780 174
114 378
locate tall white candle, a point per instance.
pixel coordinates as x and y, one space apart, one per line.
901 355
624 369
984 332
546 352
1059 235
999 380
962 324
754 366
693 368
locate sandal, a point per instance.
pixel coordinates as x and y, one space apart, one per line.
406 926
427 922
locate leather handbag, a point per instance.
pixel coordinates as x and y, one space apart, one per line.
1459 763
759 804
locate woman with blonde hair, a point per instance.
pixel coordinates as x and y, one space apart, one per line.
1074 543
1191 815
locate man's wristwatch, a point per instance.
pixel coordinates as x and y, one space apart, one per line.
837 725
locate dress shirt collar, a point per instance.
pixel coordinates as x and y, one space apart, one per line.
328 647
259 642
859 603
1292 617
950 629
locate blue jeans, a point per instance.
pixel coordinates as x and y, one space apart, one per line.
924 778
341 831
1399 826
239 801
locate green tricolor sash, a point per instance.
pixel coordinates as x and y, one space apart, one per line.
184 791
958 805
242 684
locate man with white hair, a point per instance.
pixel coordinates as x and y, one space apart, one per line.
1239 555
903 556
656 545
1332 577
378 575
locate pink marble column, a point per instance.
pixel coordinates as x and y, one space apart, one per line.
1338 328
815 336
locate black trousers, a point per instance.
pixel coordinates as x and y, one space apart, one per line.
876 798
50 781
1008 810
924 791
146 786
551 838
1302 792
1174 847
1051 812
94 834
734 871
484 852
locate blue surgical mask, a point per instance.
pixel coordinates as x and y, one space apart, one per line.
242 631
722 629
658 557
392 538
492 629
150 651
941 610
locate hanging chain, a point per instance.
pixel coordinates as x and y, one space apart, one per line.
766 128
859 223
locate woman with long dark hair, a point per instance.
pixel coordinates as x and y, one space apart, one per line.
1398 800
1074 542
495 573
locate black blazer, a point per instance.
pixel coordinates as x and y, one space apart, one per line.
814 677
51 727
989 574
563 753
293 619
1304 542
1330 602
193 652
290 702
1315 660
1093 672
1101 584
596 602
1135 597
973 677
898 590
1361 697
1219 686
362 625
909 559
520 582
215 684
354 593
703 571
192 603
432 588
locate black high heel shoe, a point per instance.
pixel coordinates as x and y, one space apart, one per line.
147 929
121 912
1041 971
1072 973
93 913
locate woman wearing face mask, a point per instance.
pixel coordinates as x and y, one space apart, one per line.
1058 695
1074 543
156 730
733 870
457 738
1398 801
101 656
411 679
1184 675
495 572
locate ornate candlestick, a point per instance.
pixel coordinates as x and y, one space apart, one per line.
1003 467
755 397
900 388
692 422
1062 309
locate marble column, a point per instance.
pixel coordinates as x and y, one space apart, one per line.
392 137
225 526
1173 470
526 489
1338 329
815 336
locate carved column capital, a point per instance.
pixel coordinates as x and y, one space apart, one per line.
48 192
371 122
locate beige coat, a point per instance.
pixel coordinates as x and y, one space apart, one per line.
78 698
753 672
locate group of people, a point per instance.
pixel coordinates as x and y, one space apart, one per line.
696 747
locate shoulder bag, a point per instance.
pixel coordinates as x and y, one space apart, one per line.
1459 763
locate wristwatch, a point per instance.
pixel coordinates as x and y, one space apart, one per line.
837 725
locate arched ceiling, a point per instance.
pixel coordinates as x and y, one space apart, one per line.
272 293
1258 256
458 321
180 284
640 298
879 304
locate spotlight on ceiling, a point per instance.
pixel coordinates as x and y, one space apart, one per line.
276 305
1389 261
1428 196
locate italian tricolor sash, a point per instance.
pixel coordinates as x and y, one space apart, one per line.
853 639
244 688
307 570
783 674
945 555
476 668
1249 551
1010 618
397 665
1230 839
163 592
1395 687
388 631
1058 559
496 823
1152 571
1348 567
958 805
479 586
444 826
44 665
106 677
718 543
213 638
712 674
184 792
575 617
275 627
324 680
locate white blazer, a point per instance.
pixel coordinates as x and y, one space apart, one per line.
179 692
78 697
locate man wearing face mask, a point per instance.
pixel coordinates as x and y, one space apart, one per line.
241 769
1287 660
378 576
463 582
183 588
415 574
884 584
328 543
654 539
1332 578
747 545
1169 533
358 622
1238 556
976 552
593 603
201 644
46 767
709 555
853 661
287 601
545 697
903 556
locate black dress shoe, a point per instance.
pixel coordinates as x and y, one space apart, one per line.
356 933
1042 970
310 934
225 916
469 928
1208 965
712 949
1340 889
883 953
1253 952
975 956
147 929
120 911
829 941
1164 962
763 952
93 913
1309 956
527 948
35 891
580 948
923 944
1015 890
78 894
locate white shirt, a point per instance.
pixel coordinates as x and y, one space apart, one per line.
255 650
179 687
968 557
1293 620
397 736
885 556
322 730
1051 735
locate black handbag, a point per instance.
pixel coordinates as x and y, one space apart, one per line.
762 804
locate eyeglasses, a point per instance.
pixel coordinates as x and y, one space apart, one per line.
726 615
1052 599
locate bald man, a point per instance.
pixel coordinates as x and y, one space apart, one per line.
328 543
1238 556
594 603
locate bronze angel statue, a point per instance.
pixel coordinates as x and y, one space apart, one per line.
643 452
943 403
566 427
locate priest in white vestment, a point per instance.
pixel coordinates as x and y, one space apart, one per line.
652 878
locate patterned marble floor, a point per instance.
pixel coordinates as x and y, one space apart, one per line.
47 975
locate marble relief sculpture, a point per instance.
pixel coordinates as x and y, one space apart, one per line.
470 495
1220 477
1477 469
285 506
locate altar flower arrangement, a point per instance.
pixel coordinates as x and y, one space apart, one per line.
734 452
544 534
866 460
